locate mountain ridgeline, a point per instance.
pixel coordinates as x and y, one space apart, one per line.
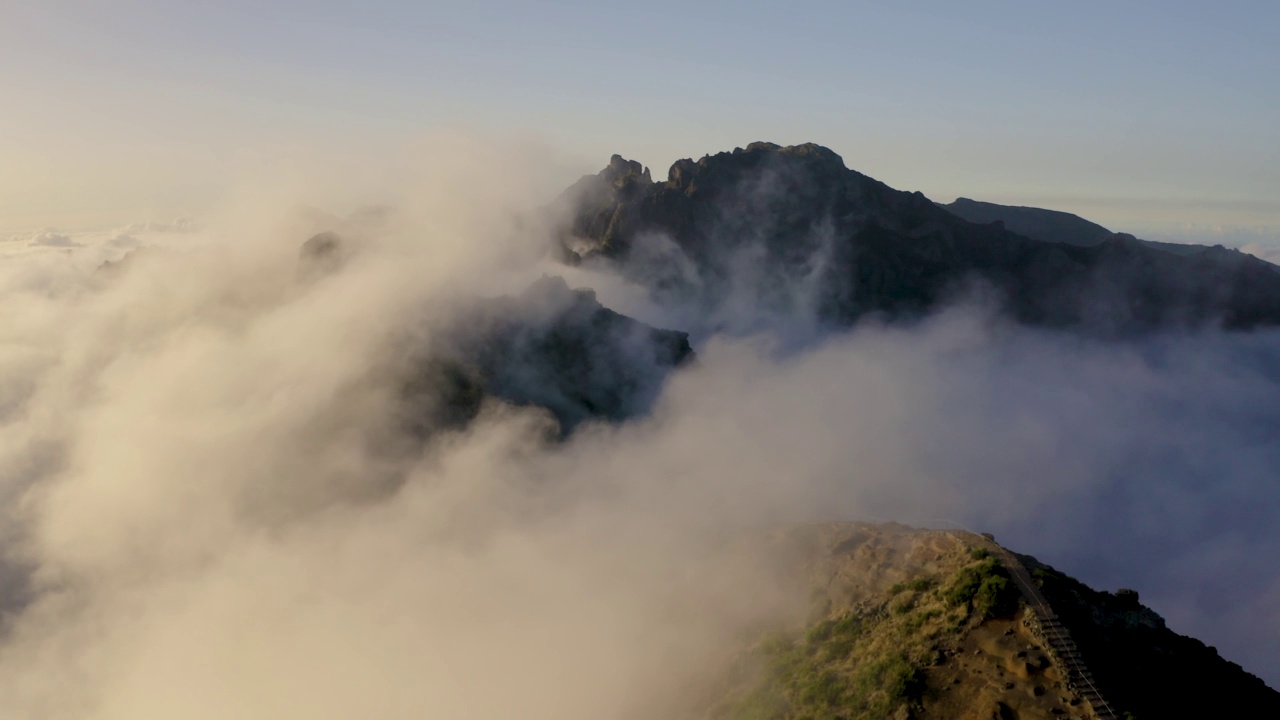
795 231
792 235
1057 227
1036 223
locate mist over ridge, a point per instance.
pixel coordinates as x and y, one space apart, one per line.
210 490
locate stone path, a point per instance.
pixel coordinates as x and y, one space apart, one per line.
1060 642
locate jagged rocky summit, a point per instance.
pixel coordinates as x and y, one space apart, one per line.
795 231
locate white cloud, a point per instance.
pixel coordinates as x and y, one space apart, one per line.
179 225
50 238
200 498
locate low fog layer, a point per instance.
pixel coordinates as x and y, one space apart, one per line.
209 510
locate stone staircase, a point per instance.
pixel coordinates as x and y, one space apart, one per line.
1055 634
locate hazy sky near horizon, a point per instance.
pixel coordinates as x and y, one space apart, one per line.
1139 115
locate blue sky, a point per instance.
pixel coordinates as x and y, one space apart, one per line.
1138 115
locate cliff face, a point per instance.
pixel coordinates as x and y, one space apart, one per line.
797 232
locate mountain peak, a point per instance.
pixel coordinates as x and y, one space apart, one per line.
620 169
822 243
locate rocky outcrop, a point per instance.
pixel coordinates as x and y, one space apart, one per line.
550 346
791 230
560 349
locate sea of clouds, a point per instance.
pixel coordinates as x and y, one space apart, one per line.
201 518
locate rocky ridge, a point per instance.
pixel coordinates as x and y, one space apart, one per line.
1060 227
813 236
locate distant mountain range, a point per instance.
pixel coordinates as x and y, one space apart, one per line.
1055 226
1035 223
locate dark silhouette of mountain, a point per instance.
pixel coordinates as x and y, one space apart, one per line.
1054 226
551 346
560 349
1145 667
1035 223
794 231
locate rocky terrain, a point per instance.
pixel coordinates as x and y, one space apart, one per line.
559 348
792 230
550 346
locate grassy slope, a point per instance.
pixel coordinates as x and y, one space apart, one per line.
905 623
902 624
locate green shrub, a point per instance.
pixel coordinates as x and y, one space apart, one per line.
820 632
765 702
823 688
902 681
847 626
996 597
917 585
983 588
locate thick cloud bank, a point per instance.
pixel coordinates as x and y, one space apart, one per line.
210 511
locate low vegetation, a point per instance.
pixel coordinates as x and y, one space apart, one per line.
867 663
984 589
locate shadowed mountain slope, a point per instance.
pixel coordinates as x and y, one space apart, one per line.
550 346
1055 226
1035 223
791 230
560 349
